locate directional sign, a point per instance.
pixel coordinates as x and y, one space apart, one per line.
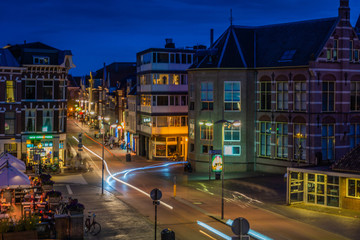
155 194
215 152
240 226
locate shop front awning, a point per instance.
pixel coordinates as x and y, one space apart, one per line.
10 177
13 161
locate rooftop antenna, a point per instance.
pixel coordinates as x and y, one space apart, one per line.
231 17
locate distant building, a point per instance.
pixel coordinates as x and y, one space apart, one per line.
105 96
32 100
162 101
294 87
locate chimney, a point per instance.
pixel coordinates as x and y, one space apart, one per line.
169 43
344 12
211 37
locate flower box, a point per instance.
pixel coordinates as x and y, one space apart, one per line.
29 235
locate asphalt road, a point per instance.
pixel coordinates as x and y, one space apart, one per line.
190 205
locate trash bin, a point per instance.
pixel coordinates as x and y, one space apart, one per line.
167 234
217 176
128 157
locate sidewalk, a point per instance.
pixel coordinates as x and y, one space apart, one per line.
117 219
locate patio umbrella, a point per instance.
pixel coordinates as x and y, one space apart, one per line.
13 161
10 177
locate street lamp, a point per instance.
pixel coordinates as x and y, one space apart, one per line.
103 148
236 124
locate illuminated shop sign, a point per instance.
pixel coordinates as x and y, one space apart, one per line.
146 120
38 137
217 163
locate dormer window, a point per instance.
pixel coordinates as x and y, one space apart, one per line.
287 56
41 60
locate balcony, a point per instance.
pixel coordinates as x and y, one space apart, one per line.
163 130
163 67
163 88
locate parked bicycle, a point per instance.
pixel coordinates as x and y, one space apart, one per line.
91 226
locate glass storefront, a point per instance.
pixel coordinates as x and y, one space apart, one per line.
320 189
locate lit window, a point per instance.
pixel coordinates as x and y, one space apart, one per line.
206 132
299 141
10 123
232 150
10 91
231 132
353 189
232 96
41 60
47 121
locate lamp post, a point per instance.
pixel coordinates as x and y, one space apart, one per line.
103 151
236 124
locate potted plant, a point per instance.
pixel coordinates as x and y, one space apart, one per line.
74 207
53 196
25 228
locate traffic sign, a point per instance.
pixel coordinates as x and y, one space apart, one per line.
215 152
240 226
155 194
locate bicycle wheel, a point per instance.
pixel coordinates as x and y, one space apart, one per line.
95 229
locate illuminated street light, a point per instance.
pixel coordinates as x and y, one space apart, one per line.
106 118
236 124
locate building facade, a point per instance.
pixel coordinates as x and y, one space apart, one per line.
35 117
300 84
162 101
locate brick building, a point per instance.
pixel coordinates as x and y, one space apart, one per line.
294 87
33 101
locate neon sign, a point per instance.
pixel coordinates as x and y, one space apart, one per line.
36 137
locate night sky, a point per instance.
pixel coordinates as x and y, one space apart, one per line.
98 31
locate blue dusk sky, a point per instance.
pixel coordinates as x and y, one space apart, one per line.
98 31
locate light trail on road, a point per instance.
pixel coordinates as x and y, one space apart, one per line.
120 181
161 165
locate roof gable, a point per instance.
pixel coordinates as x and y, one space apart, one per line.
349 162
265 46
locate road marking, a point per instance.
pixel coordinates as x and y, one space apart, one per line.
69 189
201 231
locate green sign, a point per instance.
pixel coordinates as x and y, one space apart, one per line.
39 137
217 163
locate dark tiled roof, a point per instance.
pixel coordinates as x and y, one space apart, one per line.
349 162
7 59
24 53
248 47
